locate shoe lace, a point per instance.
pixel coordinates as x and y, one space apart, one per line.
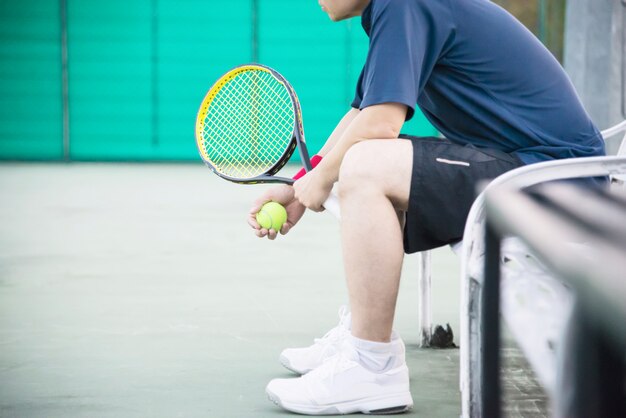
334 365
338 332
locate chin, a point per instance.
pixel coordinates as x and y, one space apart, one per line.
336 18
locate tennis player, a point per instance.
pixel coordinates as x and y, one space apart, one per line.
499 98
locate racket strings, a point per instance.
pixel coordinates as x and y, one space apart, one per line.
249 125
242 156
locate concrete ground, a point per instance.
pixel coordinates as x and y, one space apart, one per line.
140 291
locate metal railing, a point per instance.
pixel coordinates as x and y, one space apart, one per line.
592 373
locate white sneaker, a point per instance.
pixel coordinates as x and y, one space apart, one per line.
343 386
303 360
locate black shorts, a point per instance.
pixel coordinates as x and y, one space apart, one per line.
443 188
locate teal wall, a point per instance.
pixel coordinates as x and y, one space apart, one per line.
31 117
137 71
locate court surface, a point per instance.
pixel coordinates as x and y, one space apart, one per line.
139 290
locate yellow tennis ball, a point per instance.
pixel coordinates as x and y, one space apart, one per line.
272 216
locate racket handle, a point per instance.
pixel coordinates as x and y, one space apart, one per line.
332 205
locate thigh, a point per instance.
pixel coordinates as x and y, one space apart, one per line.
385 164
444 183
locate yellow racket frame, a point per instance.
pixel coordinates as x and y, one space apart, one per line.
297 136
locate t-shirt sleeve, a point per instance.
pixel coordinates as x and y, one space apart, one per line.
406 40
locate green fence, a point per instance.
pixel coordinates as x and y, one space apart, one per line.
120 80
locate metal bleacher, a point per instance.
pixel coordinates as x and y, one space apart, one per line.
579 235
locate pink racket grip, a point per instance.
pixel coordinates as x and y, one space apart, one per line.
332 205
315 160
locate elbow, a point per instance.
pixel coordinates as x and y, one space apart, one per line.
383 121
381 130
389 131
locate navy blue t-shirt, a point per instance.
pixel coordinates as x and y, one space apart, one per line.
477 74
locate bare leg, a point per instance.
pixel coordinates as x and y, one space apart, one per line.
374 185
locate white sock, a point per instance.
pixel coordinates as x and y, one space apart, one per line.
376 356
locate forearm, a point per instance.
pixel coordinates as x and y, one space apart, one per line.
375 122
339 130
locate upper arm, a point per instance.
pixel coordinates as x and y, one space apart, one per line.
381 121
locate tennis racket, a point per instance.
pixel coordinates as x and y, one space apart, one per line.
249 125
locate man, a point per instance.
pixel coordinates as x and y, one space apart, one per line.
501 101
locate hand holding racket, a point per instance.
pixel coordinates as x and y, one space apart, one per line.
249 125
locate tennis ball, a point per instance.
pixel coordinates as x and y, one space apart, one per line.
272 216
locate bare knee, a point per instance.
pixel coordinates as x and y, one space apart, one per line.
378 167
357 172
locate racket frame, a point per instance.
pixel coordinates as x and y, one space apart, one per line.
297 139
